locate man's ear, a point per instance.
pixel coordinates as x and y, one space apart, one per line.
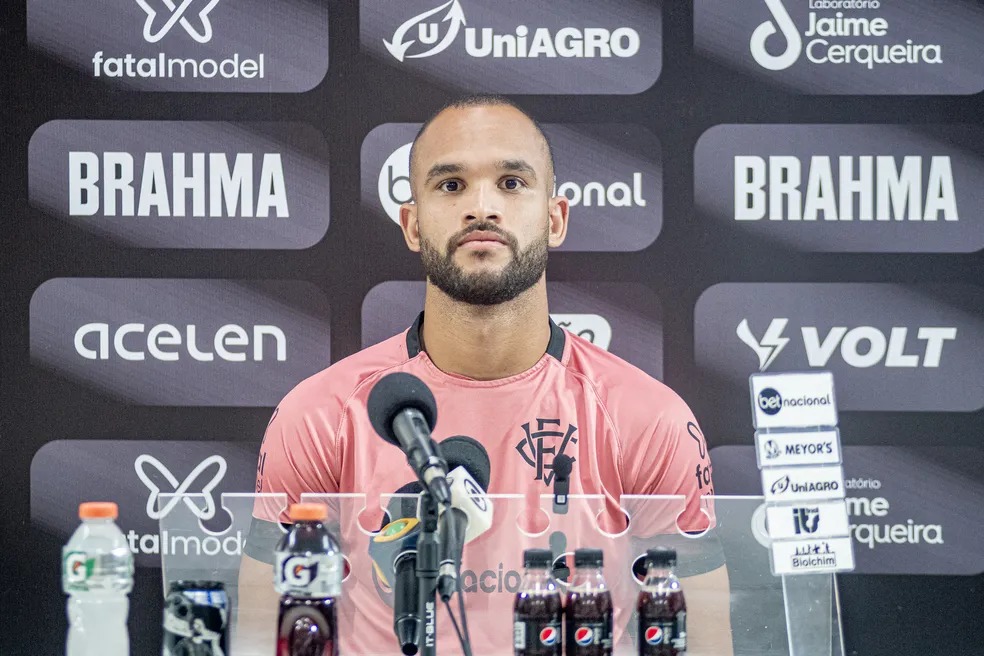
411 229
558 209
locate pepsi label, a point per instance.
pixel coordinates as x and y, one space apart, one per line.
658 635
536 637
591 634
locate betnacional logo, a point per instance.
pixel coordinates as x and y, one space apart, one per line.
889 347
611 176
181 341
531 39
188 45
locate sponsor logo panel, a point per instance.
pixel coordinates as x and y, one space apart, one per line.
134 474
889 347
611 174
172 184
519 46
806 448
800 557
181 342
793 400
912 510
846 46
845 188
803 483
623 318
807 520
192 45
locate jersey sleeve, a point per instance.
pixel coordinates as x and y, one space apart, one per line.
297 456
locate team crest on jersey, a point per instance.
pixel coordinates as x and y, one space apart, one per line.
539 447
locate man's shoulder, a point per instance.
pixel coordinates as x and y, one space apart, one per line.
621 384
331 387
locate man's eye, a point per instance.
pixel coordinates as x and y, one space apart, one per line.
513 183
450 185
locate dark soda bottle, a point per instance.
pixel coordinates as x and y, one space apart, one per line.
589 607
308 575
662 609
538 611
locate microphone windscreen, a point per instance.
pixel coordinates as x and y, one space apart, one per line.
393 393
400 507
562 466
467 452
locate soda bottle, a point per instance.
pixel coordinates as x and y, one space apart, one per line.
538 611
308 574
661 609
97 575
589 607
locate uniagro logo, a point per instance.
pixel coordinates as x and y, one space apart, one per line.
838 38
435 30
780 485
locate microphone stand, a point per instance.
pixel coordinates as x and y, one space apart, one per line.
428 563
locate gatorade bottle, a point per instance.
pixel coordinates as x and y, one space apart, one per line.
308 575
662 610
589 607
97 575
537 612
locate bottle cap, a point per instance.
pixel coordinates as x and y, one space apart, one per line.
661 557
589 558
98 510
542 558
308 512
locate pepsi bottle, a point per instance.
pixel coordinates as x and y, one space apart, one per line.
589 607
661 609
538 611
308 574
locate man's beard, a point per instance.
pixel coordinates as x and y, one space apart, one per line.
485 288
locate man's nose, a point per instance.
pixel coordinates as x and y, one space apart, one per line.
483 204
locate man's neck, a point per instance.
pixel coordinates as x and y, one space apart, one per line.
486 342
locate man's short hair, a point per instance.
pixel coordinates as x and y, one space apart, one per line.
482 100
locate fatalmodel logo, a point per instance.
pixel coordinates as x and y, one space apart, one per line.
837 39
861 347
434 31
178 15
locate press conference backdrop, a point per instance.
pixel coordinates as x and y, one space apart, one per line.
199 202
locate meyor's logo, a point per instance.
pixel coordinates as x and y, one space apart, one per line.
191 492
833 39
435 30
882 187
117 184
860 346
394 188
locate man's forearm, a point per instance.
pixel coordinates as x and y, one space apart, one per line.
708 613
256 621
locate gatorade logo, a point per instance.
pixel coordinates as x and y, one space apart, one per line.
654 635
794 43
770 401
549 636
299 571
584 636
76 570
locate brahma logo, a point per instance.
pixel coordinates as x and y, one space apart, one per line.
435 30
834 40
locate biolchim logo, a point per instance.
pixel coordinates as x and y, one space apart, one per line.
434 31
838 38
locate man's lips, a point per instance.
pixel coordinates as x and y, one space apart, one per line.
481 237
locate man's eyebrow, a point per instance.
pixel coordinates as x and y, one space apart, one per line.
443 169
516 166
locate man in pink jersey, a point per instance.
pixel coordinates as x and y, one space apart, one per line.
483 218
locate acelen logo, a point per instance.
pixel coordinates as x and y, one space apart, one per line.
435 30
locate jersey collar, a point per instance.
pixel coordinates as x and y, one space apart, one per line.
555 347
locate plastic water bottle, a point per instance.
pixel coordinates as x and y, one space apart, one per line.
97 575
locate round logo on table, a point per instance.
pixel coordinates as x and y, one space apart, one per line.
654 635
584 636
549 636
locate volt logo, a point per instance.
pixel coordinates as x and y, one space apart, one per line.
427 32
771 344
201 33
181 490
794 42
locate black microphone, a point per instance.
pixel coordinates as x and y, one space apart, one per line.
470 513
403 411
562 467
393 552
